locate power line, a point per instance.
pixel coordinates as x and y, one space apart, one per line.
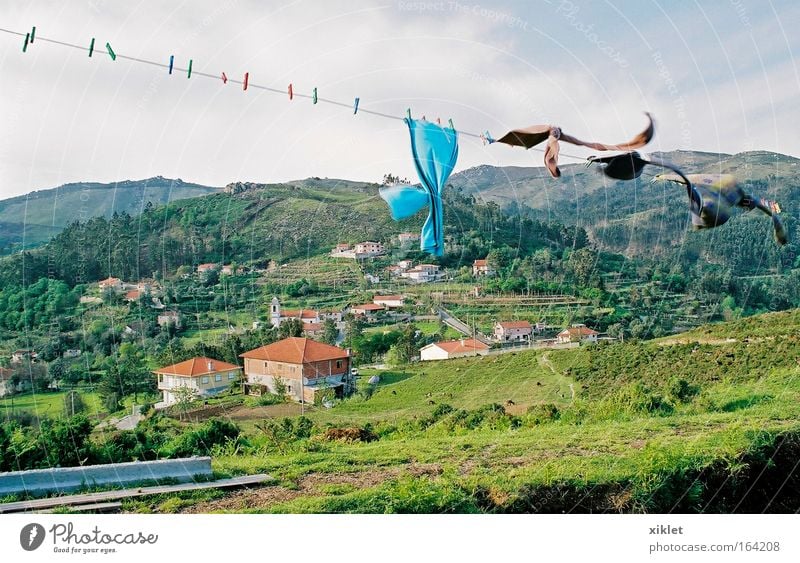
256 86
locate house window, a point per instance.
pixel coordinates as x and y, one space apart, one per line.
204 380
231 376
161 378
218 377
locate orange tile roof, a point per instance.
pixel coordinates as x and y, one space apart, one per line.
299 314
312 327
296 350
109 280
578 331
388 298
457 346
515 324
368 307
133 294
480 263
195 367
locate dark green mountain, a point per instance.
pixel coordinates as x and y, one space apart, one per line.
36 217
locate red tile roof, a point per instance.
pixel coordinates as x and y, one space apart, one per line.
578 331
368 307
312 327
196 366
133 294
299 314
296 350
388 298
459 346
109 281
480 263
515 324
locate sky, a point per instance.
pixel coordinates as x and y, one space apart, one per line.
719 76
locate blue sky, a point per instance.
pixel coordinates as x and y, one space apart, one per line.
718 76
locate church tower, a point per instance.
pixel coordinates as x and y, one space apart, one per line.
275 312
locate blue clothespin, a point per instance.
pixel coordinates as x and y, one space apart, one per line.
111 52
171 62
355 106
314 96
489 137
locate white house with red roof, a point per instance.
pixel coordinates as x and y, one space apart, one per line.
577 333
482 268
110 283
513 331
205 376
277 315
389 301
450 349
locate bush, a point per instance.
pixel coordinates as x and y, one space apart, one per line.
215 431
351 434
543 413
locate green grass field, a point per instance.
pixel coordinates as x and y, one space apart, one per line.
49 404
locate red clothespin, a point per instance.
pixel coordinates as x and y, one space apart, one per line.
224 78
246 79
291 94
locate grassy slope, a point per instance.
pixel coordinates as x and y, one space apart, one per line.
636 458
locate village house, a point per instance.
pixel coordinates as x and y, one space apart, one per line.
407 238
205 268
313 330
482 268
7 386
24 354
71 353
398 269
389 301
333 314
169 318
513 331
358 251
577 333
423 273
278 315
449 349
306 368
205 376
367 310
132 295
110 283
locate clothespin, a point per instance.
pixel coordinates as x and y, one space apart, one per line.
483 139
423 118
489 137
453 127
355 106
33 34
408 112
171 62
27 40
438 121
189 73
224 78
246 79
291 94
91 47
314 96
111 52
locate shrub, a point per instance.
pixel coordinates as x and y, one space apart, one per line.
215 431
543 413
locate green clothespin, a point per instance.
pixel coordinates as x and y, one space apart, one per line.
408 113
314 96
33 34
91 47
27 40
189 74
453 127
111 52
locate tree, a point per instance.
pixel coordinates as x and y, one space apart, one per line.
58 370
34 374
353 330
290 327
408 344
73 403
330 333
132 366
281 390
184 397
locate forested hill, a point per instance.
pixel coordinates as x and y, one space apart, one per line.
35 217
256 223
642 218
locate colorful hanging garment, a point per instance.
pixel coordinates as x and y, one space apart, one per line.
435 151
712 197
531 136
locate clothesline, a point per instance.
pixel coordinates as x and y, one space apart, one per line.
320 99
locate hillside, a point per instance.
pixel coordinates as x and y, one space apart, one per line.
640 217
36 217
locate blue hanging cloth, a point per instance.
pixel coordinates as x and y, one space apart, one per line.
435 151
